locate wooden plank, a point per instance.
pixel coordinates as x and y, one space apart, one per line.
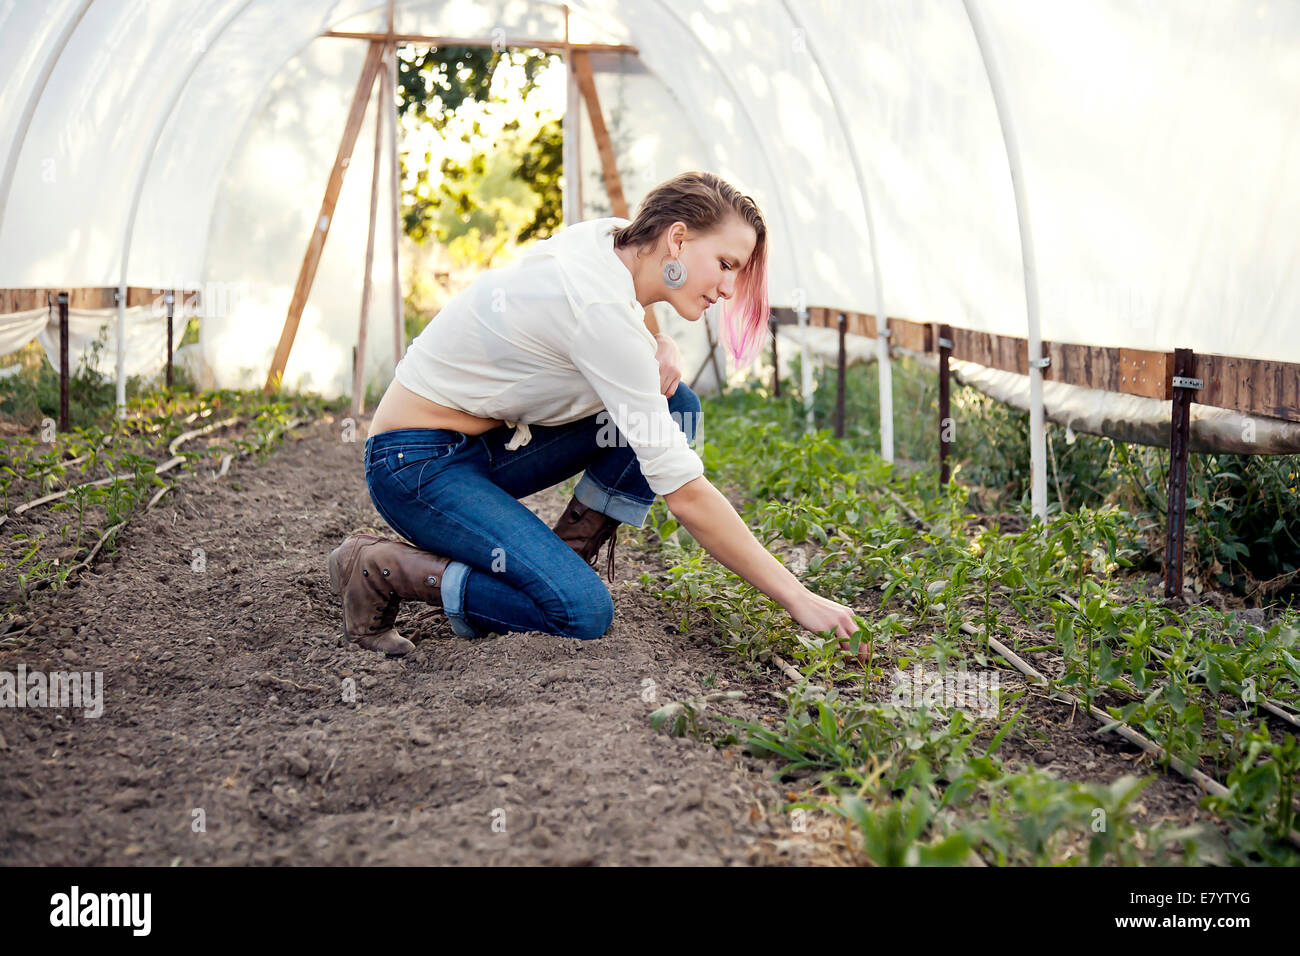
1084 365
22 300
99 297
321 225
530 43
1011 354
1149 374
971 346
388 108
359 354
608 166
1252 386
915 336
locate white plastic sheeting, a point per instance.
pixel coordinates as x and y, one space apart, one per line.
88 329
1158 144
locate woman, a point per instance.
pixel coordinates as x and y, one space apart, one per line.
541 370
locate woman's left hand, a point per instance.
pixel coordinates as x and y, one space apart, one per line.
669 358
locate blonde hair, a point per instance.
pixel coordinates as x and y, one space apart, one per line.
704 201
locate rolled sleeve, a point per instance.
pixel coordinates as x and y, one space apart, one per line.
617 358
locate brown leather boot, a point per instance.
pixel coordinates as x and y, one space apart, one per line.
585 530
373 576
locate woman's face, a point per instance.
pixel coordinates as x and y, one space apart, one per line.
712 260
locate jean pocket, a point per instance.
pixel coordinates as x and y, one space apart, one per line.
398 458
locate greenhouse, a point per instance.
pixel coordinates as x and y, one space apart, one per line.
944 413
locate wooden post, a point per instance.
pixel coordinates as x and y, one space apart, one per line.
711 357
1184 384
320 228
839 384
399 307
388 104
945 402
64 423
776 367
359 355
170 298
608 167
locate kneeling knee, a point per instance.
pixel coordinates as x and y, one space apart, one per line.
592 615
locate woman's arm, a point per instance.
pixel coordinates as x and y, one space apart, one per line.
713 522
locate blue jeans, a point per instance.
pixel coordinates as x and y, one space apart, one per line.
457 496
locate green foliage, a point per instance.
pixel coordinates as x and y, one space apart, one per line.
506 191
927 785
542 166
1242 531
109 469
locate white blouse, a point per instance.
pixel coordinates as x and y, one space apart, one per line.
552 338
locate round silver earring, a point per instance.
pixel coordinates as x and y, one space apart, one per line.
674 274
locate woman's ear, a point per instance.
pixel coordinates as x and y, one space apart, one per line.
676 237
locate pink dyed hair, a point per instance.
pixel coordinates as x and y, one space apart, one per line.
704 201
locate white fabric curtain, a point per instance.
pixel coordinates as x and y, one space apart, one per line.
146 337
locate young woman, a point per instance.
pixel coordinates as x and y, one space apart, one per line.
541 370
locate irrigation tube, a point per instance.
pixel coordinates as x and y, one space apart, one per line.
1037 442
163 117
1109 723
882 331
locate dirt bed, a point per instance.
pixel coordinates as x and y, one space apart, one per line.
225 737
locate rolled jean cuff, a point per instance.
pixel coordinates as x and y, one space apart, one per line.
454 580
615 504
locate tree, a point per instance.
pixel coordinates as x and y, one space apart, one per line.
466 199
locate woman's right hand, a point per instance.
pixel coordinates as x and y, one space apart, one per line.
817 613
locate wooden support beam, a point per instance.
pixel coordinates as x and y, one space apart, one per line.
395 179
1252 386
1085 365
105 297
1149 374
914 336
531 43
321 226
359 353
608 165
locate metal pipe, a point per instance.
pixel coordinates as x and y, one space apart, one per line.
1179 439
886 376
839 382
64 415
170 298
1037 432
945 401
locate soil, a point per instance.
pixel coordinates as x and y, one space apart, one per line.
225 737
